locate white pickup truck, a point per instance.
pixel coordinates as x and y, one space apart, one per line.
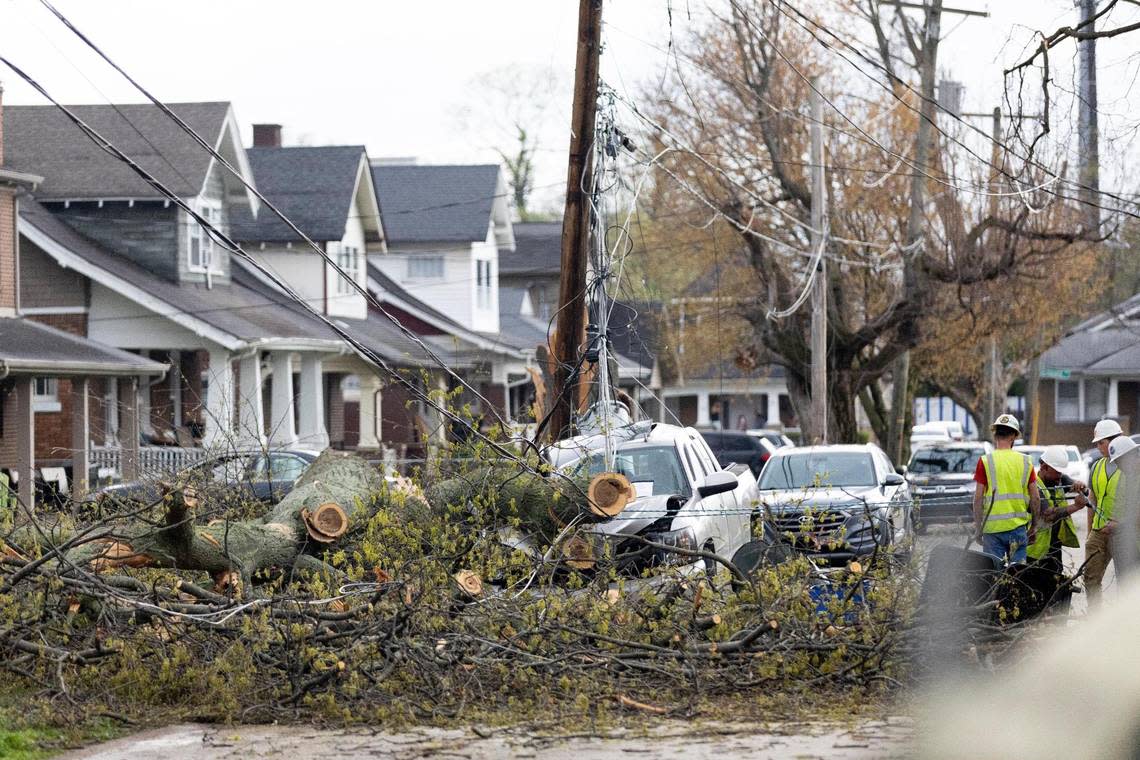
685 499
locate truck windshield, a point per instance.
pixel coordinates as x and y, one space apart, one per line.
651 469
822 469
936 461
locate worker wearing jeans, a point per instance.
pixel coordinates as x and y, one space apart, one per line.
1102 482
1006 501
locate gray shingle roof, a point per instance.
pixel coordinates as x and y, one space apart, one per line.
436 204
392 287
30 347
1112 351
538 250
313 186
42 140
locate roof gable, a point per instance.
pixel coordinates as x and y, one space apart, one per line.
313 186
436 204
42 139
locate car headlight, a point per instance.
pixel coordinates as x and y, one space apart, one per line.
684 538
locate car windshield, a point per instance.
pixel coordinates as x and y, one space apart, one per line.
1034 454
651 469
818 468
1074 455
936 461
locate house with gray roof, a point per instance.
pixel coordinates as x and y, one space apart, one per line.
114 260
445 227
535 264
1092 373
44 369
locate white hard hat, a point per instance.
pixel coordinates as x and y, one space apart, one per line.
1055 457
1119 447
1009 421
1106 429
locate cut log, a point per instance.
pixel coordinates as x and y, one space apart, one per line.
470 584
608 494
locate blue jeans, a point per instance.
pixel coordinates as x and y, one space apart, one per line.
1009 543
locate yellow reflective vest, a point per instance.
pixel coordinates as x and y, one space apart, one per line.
1104 490
1006 502
1066 531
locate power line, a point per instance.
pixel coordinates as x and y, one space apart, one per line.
364 351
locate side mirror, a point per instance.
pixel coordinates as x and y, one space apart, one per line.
717 482
901 470
893 479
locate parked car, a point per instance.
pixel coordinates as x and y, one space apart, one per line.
835 502
1077 469
942 481
929 433
228 480
684 497
952 428
774 437
737 447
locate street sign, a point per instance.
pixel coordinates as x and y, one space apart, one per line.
1055 374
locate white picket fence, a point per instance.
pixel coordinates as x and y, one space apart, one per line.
154 461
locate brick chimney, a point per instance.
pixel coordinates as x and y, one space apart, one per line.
8 270
267 135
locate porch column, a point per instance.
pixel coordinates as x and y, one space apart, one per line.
773 408
128 389
251 420
25 427
80 436
1113 409
174 388
282 429
369 412
312 433
703 409
219 400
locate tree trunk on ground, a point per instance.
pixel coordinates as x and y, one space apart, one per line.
335 492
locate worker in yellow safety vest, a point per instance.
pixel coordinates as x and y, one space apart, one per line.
1103 481
1006 501
1056 528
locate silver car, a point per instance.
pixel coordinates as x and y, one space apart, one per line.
835 503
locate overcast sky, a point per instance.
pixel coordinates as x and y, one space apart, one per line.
391 74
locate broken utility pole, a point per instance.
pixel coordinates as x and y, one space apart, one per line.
819 403
571 325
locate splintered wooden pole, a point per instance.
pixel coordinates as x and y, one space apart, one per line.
571 327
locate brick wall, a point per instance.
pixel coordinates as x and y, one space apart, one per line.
334 409
76 324
7 250
1075 433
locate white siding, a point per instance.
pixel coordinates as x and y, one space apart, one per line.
300 266
352 304
453 294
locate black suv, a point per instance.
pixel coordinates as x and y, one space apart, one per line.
731 446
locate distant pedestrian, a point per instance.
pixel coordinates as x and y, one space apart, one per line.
1006 503
1103 480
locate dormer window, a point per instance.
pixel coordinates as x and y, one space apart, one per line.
201 251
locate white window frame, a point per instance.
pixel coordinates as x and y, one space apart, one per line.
1082 409
211 211
425 268
483 283
348 259
45 398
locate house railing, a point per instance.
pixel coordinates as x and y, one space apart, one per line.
154 461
